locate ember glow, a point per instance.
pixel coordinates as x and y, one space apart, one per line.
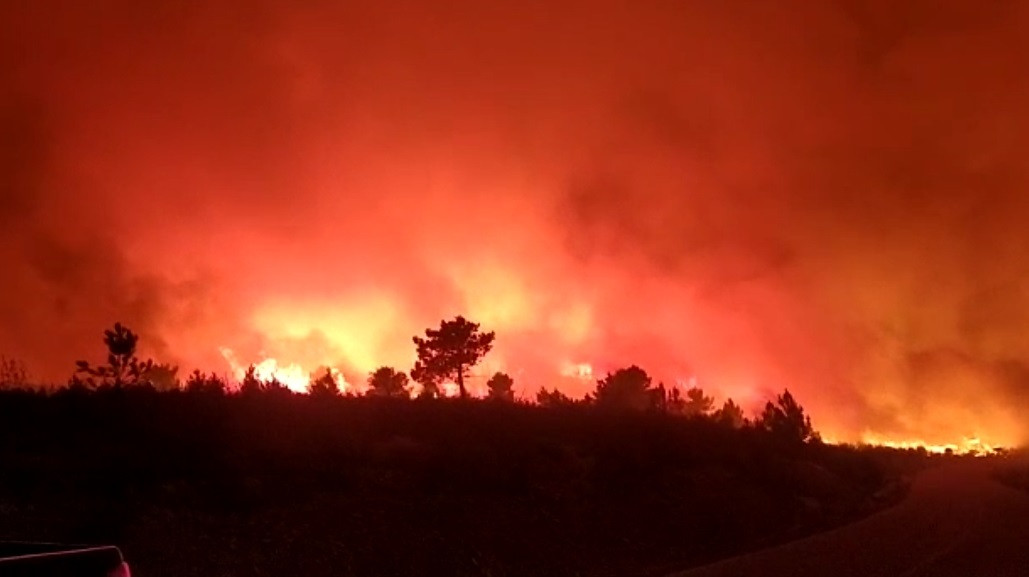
825 196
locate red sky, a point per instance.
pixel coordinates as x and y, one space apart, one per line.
829 196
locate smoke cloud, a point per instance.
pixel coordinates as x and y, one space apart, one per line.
825 196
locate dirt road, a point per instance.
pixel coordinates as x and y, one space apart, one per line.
956 521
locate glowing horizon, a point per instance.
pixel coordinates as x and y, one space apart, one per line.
762 196
296 378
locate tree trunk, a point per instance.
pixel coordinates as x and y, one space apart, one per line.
460 382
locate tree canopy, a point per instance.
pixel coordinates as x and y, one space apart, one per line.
501 387
628 388
697 403
730 415
388 382
449 352
444 355
552 399
123 368
785 420
203 383
324 385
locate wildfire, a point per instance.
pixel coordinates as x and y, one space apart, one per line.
295 377
581 371
292 375
966 446
450 389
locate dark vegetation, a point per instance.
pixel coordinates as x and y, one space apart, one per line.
1014 469
201 480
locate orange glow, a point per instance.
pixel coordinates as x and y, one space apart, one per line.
964 446
757 195
295 377
361 331
580 371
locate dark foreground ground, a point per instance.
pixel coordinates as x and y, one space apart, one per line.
957 520
195 485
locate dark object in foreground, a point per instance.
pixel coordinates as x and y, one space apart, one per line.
53 560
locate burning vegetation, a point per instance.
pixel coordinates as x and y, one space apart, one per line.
445 360
827 196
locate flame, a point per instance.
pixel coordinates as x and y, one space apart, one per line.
327 330
580 371
965 446
297 378
294 376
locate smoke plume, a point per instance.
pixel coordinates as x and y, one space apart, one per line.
825 196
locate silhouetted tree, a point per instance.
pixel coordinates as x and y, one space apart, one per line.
250 385
163 377
388 382
324 386
697 405
122 369
671 400
449 352
501 387
276 387
13 374
201 383
730 415
628 388
785 420
552 399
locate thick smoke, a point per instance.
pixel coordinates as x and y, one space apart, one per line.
827 196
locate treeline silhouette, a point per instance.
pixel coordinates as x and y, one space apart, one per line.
211 478
444 355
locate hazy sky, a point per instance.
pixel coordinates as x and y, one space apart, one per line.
829 196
